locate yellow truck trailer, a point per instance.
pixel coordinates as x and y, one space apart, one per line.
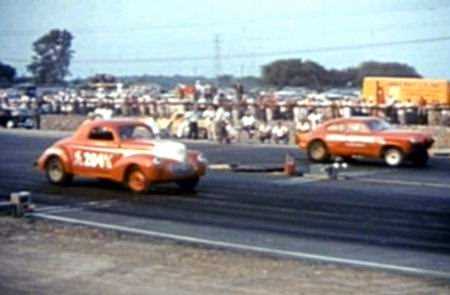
381 89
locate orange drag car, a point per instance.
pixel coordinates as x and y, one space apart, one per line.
369 137
123 151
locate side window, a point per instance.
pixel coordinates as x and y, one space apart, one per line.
336 128
357 127
101 133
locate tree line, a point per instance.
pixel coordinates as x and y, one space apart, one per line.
52 54
306 73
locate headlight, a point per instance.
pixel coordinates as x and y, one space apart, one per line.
413 140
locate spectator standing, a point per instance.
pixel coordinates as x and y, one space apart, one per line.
231 132
401 114
264 132
248 122
422 111
410 112
209 115
192 116
280 133
346 110
314 118
220 125
303 126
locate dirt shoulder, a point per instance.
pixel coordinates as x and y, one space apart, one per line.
38 257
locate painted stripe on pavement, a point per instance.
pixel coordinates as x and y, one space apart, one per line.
235 246
403 182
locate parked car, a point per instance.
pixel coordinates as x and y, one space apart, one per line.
123 151
366 137
16 118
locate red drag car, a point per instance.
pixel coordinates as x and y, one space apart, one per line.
369 137
123 151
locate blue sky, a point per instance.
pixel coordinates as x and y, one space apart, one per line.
109 35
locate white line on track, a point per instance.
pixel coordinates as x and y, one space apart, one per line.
75 207
235 246
403 182
59 210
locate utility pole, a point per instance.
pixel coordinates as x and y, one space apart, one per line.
217 57
241 70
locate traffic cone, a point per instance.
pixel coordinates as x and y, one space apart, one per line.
289 165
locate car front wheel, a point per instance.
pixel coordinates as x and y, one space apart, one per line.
55 172
318 152
136 181
393 157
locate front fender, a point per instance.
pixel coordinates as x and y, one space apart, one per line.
59 152
145 162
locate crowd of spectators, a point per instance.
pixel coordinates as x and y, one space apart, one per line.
226 114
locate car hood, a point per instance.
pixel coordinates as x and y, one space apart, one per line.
164 149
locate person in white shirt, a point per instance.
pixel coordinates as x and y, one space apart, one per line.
231 132
280 133
314 118
151 123
209 114
303 126
192 117
264 132
220 125
248 122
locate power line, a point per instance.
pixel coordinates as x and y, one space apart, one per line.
254 54
150 27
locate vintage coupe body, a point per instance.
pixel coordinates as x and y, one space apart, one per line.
123 151
369 137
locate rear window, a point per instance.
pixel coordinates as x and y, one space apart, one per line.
101 133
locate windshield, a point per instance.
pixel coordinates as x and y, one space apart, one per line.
378 125
136 132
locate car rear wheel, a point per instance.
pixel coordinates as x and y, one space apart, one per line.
318 152
188 184
393 157
55 172
136 180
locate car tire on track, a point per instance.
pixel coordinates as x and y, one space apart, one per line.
393 157
136 181
55 172
318 152
188 184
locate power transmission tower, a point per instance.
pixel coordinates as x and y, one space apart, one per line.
217 57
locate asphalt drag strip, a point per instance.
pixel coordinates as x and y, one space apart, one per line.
375 216
386 259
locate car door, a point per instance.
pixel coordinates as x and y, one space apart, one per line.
335 138
95 156
360 141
